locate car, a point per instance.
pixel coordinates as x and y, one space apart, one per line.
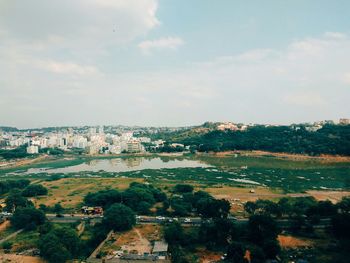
187 220
160 217
175 219
138 217
59 215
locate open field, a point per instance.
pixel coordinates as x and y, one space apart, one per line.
333 196
71 191
135 241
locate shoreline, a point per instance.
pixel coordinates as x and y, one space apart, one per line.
281 155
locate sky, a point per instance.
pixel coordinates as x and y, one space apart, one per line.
173 62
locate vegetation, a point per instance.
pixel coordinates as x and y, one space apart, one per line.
331 139
28 218
51 151
60 244
139 197
15 200
34 190
19 152
7 185
119 218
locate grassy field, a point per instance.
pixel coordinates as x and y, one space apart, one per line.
71 191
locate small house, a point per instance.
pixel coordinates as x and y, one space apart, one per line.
160 249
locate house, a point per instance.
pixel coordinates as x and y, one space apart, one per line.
160 249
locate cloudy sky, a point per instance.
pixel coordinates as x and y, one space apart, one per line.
173 62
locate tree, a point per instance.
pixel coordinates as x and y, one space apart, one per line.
34 190
262 228
174 234
119 218
58 209
15 200
344 205
183 188
59 244
27 217
341 226
236 252
144 208
213 208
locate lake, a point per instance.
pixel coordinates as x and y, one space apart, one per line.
123 165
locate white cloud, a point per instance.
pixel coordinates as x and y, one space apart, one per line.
68 68
304 81
79 23
148 46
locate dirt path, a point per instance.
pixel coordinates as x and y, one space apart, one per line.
12 258
81 228
10 236
143 245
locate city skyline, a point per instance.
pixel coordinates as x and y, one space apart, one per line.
167 63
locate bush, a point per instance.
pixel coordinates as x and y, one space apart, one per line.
183 188
34 190
7 245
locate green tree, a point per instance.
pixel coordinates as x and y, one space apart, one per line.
52 250
15 200
119 218
58 209
34 190
262 228
183 188
236 252
174 234
28 218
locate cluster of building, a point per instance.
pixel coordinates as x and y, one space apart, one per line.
231 126
92 140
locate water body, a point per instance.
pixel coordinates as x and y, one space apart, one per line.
122 165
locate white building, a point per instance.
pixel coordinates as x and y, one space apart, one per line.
33 149
134 146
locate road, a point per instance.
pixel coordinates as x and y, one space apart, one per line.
68 218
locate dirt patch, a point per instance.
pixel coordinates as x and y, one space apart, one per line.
333 196
206 256
4 225
294 242
11 258
136 241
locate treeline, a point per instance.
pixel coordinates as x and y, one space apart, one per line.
256 241
19 152
141 198
8 185
17 190
331 139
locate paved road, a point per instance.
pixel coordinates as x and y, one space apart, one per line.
68 218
